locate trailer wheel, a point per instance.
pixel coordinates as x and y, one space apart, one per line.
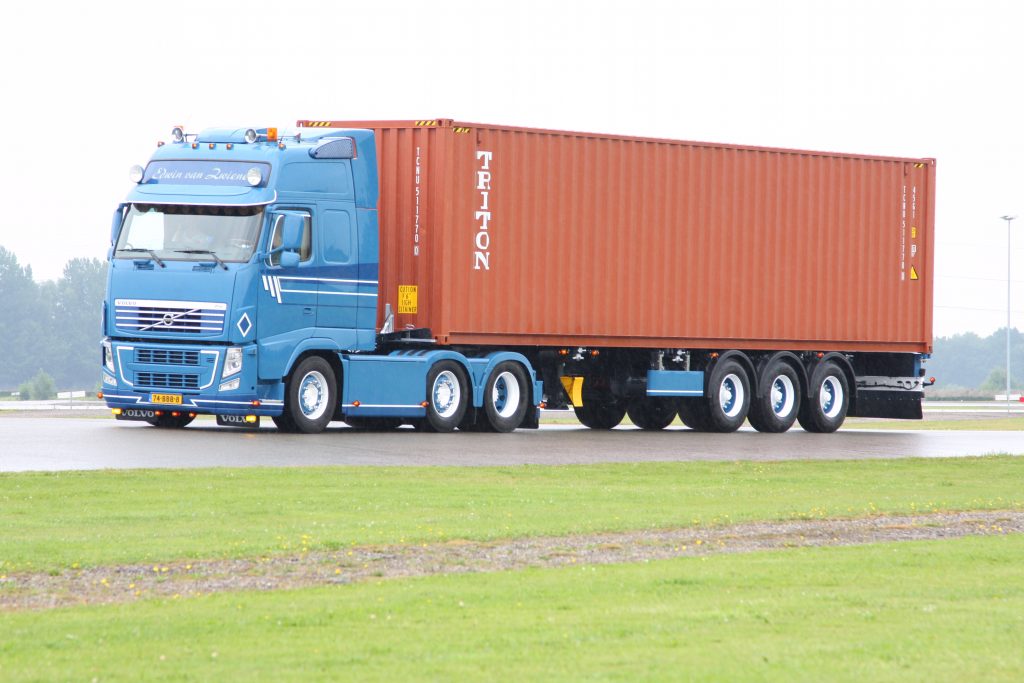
311 395
828 399
694 413
776 411
728 397
171 422
446 396
506 396
600 411
652 413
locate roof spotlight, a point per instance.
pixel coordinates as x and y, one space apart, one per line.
135 174
254 176
178 134
250 135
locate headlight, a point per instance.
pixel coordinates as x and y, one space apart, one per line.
108 356
231 385
232 362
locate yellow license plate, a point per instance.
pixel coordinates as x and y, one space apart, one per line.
165 398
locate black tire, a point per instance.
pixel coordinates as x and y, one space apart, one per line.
374 424
475 421
694 413
506 397
284 423
824 409
600 410
777 410
652 413
311 395
727 397
171 421
447 396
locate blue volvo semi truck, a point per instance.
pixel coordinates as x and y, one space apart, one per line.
245 281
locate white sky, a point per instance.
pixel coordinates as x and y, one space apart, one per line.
89 88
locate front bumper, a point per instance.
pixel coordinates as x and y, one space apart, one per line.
150 375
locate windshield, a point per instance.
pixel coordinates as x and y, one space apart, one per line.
190 233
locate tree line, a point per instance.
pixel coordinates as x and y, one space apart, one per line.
52 330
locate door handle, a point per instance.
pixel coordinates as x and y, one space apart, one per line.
307 310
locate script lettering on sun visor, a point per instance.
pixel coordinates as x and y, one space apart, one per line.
175 172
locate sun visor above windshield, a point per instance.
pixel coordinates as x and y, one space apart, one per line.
176 181
198 194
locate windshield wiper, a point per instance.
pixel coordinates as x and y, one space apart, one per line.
203 251
152 254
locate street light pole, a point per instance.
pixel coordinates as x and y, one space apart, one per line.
1009 221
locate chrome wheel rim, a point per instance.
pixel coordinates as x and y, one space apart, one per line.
313 395
831 397
505 394
446 394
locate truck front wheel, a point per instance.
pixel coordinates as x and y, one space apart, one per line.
311 395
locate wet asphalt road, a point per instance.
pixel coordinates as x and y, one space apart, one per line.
39 443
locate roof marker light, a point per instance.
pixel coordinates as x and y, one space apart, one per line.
178 134
213 145
250 135
230 145
195 145
254 176
159 143
135 174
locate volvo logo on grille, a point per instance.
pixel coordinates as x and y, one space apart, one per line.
168 319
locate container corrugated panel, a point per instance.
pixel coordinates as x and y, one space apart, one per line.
531 237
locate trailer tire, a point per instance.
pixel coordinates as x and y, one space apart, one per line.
604 412
728 397
171 422
652 413
694 413
506 397
447 396
828 398
311 395
776 411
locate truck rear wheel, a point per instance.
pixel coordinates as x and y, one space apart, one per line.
652 413
776 411
828 399
311 396
694 413
506 395
447 394
728 397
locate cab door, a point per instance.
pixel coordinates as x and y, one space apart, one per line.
286 298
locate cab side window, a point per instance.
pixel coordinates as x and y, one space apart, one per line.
305 252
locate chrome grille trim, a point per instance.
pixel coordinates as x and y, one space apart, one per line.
189 317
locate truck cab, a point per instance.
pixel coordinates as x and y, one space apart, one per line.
236 253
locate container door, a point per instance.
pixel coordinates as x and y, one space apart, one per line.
340 285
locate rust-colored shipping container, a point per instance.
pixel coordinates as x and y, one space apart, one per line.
512 236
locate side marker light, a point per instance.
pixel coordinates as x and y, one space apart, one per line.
115 411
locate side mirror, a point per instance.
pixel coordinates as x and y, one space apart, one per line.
115 224
289 259
291 232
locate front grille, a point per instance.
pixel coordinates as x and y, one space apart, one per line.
187 317
166 380
166 357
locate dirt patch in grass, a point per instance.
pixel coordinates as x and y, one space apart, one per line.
125 583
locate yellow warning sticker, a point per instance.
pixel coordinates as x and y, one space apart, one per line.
407 299
913 273
913 233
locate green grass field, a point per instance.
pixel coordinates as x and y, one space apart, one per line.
60 520
926 611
